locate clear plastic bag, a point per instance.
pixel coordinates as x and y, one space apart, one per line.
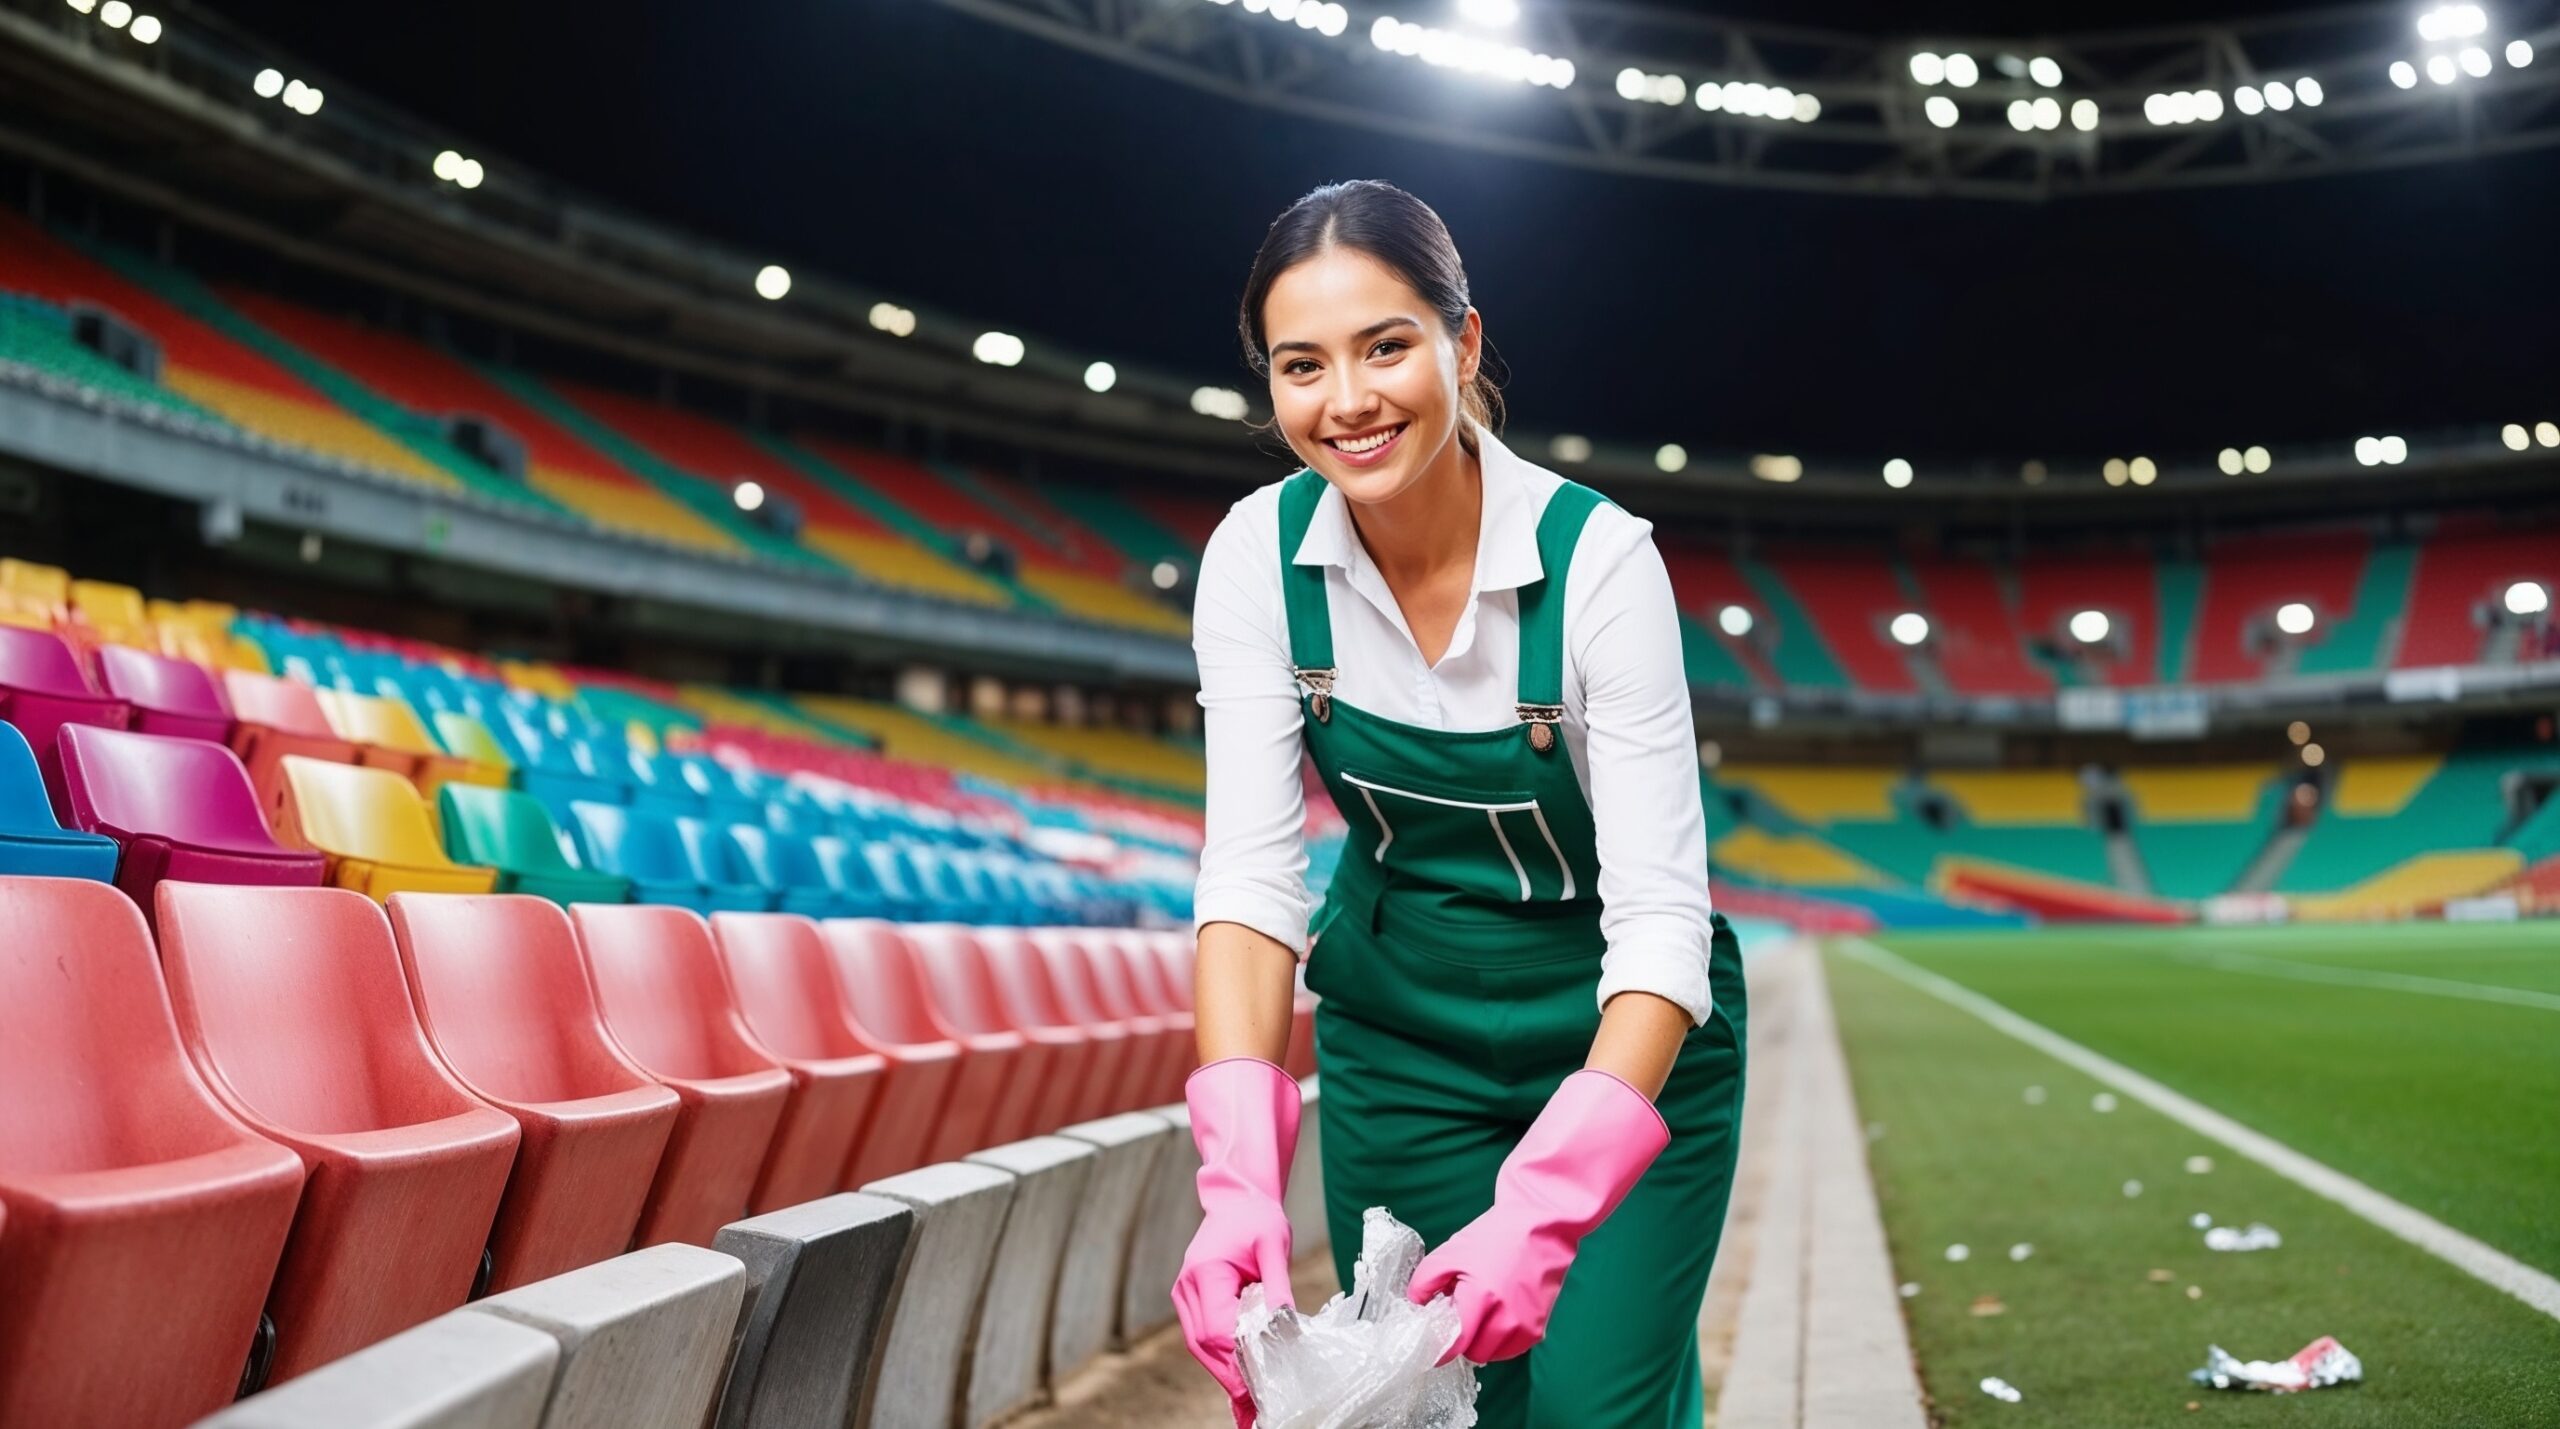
1369 1359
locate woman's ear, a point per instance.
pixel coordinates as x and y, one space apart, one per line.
1470 346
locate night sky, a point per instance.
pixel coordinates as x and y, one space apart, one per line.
977 170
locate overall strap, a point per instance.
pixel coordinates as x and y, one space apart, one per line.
1302 590
1542 611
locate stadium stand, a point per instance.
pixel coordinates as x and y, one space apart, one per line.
2462 573
1850 600
2246 579
2197 828
1979 645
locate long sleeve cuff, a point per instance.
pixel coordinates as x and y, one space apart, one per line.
1672 967
1281 919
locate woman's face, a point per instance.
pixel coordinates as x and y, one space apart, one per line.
1364 376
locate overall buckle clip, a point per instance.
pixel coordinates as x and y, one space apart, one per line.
1319 685
1545 724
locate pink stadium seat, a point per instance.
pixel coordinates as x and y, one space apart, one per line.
1159 1045
293 1004
273 718
42 689
864 1112
662 994
182 809
1115 1045
884 985
504 997
1155 994
143 1221
964 994
1030 1005
168 695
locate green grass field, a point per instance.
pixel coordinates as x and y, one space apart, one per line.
2442 1092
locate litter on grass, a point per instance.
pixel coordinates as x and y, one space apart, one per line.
2259 1236
2021 1251
2002 1390
2199 1165
1959 1251
2200 1220
2103 1101
2132 1189
2317 1365
1910 1288
2035 1096
1985 1306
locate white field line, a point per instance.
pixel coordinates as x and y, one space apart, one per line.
2481 1260
2359 977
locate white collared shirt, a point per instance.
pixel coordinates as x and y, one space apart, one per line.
1626 711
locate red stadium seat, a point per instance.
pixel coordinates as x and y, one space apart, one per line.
504 997
1155 994
182 809
42 689
272 718
662 994
294 1006
1115 1044
750 1119
1030 1005
1176 953
1159 1045
964 994
885 988
168 696
143 1221
868 1112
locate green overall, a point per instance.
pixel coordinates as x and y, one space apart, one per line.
1459 965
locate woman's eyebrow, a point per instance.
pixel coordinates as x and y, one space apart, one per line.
1366 333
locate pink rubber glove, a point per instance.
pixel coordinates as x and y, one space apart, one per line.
1244 1116
1580 1158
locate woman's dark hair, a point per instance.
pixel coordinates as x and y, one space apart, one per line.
1396 229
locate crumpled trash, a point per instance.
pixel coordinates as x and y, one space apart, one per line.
2001 1390
2259 1236
1369 1359
2317 1365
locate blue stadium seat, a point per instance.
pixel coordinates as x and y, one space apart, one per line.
791 872
669 859
32 842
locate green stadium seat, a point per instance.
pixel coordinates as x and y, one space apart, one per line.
510 831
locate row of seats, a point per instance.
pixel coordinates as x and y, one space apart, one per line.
347 1118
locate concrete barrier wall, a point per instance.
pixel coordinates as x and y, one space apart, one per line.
819 1277
1009 1353
1086 1311
644 1338
458 1371
960 1213
1168 1216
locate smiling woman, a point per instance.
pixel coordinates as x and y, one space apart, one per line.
1532 1022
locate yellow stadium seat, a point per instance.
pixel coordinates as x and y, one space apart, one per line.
2382 785
298 423
466 737
2414 886
628 508
1800 860
1119 752
538 679
1820 793
116 612
2196 793
374 829
1107 602
47 587
893 561
2013 796
390 737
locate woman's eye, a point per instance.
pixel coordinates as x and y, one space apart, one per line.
1387 345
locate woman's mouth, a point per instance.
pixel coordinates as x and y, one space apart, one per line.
1369 448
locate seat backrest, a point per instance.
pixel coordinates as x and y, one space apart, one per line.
955 967
468 737
1177 956
715 859
1021 977
294 999
833 864
355 812
503 993
1070 974
87 1038
1146 978
23 805
785 984
158 682
190 790
1111 975
378 720
41 661
502 828
277 703
883 982
633 842
662 990
888 870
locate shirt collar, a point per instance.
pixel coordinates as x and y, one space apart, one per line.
1506 531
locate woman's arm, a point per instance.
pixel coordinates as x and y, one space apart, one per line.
1639 1040
1244 994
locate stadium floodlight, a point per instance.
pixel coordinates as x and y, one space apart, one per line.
2090 626
2475 61
2279 95
893 320
2313 755
2440 68
997 349
2515 436
2048 113
115 14
2248 101
2295 618
2209 104
1098 376
447 164
1941 111
1223 403
1568 447
2114 471
1962 72
2368 451
2045 70
2404 74
2528 598
2547 433
749 495
2519 53
1777 467
471 174
2141 471
1897 473
268 84
2084 115
2230 460
1470 54
2393 450
2308 90
772 282
1909 628
84 6
1489 12
2257 460
1735 620
146 29
1807 109
2022 115
1166 575
1670 457
2452 22
1927 68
